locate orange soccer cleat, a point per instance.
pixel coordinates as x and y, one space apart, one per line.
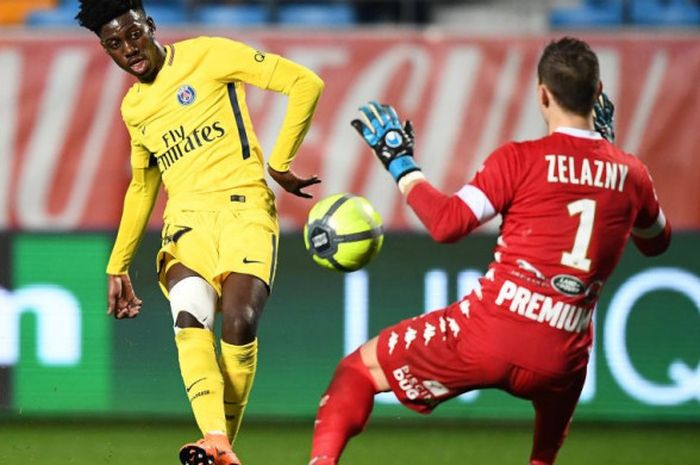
214 449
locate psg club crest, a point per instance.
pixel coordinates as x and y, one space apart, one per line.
186 95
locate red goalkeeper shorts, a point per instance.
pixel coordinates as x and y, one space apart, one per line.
434 357
431 358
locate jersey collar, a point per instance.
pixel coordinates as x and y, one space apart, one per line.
575 132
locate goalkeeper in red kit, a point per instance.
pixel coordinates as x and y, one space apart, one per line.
569 201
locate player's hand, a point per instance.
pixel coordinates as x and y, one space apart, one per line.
391 141
121 299
604 117
292 183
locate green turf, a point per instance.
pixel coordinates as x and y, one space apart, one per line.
82 443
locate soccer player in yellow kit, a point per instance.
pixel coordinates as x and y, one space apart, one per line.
190 129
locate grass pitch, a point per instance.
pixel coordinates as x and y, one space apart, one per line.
126 443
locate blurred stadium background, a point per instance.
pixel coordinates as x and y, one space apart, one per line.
79 388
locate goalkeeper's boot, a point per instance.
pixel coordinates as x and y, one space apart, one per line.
214 449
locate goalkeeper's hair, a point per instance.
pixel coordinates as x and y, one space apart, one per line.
94 14
569 69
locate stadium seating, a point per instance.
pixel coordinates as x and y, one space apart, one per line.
316 15
589 14
610 13
665 12
63 16
233 15
169 15
164 12
172 3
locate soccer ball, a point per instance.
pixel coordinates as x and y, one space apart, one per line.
343 232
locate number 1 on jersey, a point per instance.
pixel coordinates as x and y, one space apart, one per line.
577 257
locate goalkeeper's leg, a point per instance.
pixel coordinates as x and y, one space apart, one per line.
347 403
553 412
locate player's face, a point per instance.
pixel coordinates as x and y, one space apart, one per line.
129 40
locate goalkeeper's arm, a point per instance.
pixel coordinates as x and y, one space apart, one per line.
653 239
447 218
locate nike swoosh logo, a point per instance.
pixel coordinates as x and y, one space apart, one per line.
177 235
246 261
192 385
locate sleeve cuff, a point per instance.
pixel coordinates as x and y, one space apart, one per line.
409 179
656 228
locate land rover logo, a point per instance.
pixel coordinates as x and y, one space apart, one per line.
568 285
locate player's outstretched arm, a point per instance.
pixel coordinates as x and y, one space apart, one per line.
138 204
304 88
447 218
651 231
391 141
293 183
604 117
654 239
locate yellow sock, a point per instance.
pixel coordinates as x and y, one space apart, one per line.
238 367
202 376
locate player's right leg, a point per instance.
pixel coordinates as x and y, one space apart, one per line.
193 303
347 403
210 450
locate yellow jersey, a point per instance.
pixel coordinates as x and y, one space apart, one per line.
192 123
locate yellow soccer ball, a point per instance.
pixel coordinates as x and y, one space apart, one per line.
343 232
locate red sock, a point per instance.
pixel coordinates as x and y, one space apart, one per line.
344 409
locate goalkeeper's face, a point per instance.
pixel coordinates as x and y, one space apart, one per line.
129 40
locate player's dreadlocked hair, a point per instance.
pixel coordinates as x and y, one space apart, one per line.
569 69
94 14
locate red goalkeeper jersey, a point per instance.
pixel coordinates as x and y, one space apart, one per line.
569 203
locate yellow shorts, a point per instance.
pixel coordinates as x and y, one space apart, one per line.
236 239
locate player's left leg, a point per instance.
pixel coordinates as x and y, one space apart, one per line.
347 403
242 301
553 413
248 239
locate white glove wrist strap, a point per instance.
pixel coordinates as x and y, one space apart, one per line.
408 179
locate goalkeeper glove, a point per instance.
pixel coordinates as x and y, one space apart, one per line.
603 117
391 141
